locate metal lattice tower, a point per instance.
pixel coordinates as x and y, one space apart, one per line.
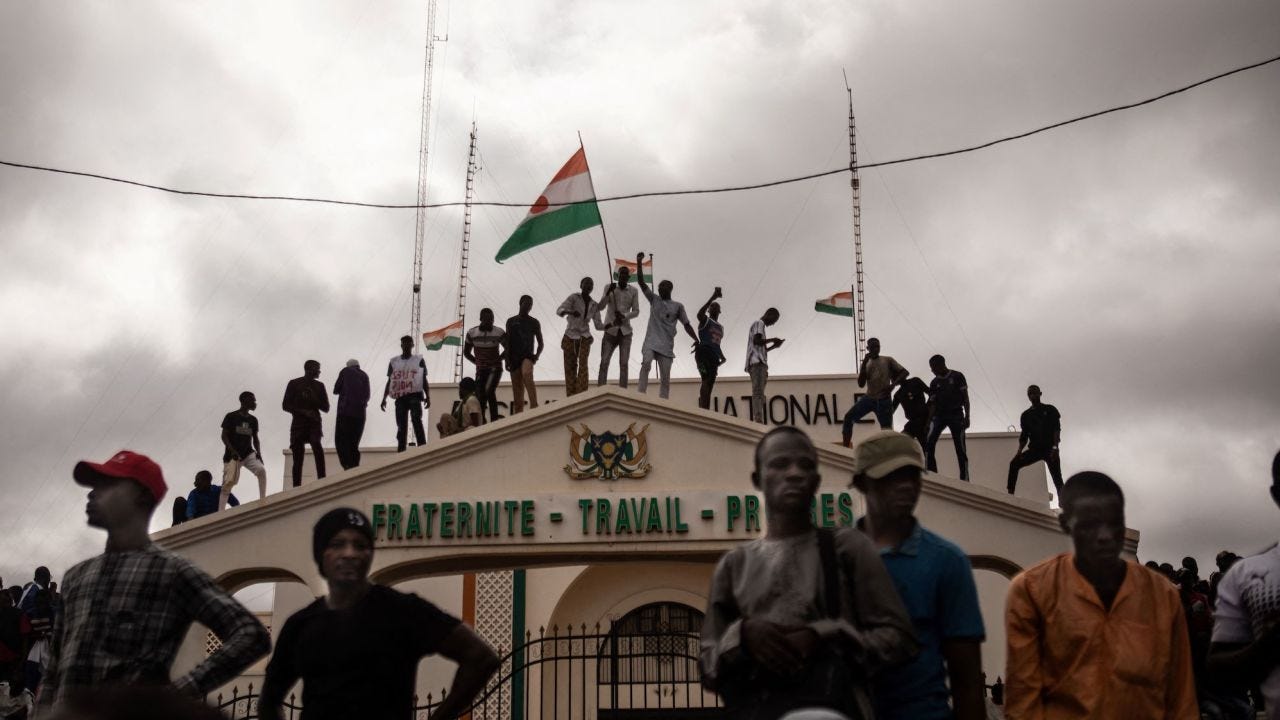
420 225
859 301
466 249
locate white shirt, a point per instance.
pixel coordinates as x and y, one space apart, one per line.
660 337
1249 604
406 375
756 354
578 327
621 304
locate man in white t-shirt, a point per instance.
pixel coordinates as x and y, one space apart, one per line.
407 385
660 337
620 304
758 347
1246 623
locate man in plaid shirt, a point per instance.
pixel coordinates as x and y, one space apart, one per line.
126 611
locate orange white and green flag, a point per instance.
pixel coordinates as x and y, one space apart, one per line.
448 335
567 206
630 265
839 304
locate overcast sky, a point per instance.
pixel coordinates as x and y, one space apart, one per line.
1128 264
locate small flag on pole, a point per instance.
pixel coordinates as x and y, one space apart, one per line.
839 304
567 206
619 263
448 335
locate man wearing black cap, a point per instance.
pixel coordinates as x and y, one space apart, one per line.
126 611
357 649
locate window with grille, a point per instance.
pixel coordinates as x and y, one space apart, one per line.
655 643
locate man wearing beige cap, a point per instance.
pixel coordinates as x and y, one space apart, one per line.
935 581
126 611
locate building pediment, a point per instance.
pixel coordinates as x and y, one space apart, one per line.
604 475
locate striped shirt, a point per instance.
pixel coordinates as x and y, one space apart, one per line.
126 613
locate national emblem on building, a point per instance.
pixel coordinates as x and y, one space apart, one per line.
608 455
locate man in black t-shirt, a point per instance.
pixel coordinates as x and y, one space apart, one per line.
912 395
240 438
950 394
357 649
1041 433
305 398
523 332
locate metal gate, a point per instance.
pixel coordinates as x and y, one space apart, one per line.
644 666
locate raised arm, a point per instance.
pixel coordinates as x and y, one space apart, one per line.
702 311
644 288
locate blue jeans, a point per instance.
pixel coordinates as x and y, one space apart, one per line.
883 409
954 423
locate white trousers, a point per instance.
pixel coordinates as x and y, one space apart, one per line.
231 476
664 372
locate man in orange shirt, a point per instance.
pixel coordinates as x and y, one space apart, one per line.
1090 634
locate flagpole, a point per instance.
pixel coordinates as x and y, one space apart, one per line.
608 258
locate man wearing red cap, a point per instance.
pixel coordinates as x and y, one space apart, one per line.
126 611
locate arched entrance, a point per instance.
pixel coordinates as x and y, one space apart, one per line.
647 666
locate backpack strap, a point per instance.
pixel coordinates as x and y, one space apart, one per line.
830 573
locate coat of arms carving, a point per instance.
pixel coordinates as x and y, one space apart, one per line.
608 455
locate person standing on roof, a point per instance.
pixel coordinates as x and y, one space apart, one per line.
621 303
407 385
352 389
878 374
305 398
579 308
524 347
707 351
660 337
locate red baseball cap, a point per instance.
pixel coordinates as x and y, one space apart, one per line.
124 464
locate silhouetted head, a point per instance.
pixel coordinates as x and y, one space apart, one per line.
664 289
938 365
41 575
1275 478
486 318
311 369
123 491
466 387
624 275
587 285
526 304
204 479
406 345
1033 394
248 401
1225 560
873 347
1093 515
786 470
771 316
1190 564
714 311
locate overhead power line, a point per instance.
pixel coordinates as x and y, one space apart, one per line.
656 193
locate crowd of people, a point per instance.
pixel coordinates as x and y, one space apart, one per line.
876 620
930 408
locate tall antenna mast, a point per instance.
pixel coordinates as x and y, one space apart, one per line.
859 301
466 249
420 225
